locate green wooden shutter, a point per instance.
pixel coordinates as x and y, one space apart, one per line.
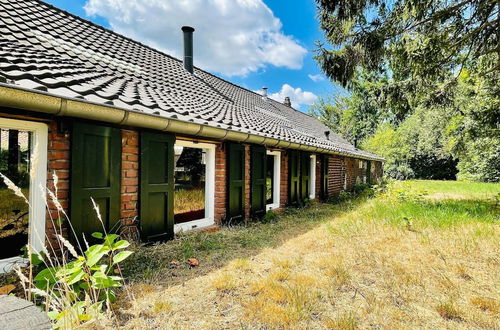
258 179
293 177
95 172
236 182
368 172
324 176
305 170
157 186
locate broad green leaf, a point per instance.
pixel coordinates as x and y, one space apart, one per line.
110 239
75 277
97 235
119 257
121 245
95 253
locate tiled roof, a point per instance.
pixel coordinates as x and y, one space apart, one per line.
47 49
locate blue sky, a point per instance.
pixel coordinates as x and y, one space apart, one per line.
285 73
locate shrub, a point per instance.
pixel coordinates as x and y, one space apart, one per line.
78 291
73 292
269 217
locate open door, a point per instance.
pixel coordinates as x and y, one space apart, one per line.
157 186
95 173
236 182
258 179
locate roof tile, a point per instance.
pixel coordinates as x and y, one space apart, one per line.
44 48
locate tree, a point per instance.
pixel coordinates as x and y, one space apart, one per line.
411 37
426 71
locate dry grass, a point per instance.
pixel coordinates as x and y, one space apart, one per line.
186 200
361 269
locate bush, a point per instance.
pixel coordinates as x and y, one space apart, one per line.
269 217
78 291
73 292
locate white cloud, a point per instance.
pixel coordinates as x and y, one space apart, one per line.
316 77
233 37
297 96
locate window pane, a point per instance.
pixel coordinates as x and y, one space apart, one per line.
270 179
189 195
14 217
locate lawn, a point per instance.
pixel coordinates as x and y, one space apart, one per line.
423 254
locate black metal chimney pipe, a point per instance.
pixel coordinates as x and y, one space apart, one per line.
188 48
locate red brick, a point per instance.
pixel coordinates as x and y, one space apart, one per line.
130 181
59 164
129 197
131 173
59 145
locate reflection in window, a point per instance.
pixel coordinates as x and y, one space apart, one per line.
14 217
270 179
189 196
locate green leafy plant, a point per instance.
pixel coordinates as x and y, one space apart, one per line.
79 291
269 217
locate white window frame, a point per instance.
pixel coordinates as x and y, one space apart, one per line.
276 179
312 178
38 182
209 187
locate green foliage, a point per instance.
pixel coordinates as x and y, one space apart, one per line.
77 291
414 38
269 217
424 85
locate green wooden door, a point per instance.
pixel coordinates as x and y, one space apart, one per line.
293 178
95 173
305 170
324 176
258 179
157 186
236 182
368 172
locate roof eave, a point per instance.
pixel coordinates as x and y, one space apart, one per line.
44 102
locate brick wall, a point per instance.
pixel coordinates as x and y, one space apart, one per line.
129 210
339 169
58 163
335 176
220 184
284 179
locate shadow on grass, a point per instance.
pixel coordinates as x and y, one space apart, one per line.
166 264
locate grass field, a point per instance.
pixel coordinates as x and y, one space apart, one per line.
422 255
186 200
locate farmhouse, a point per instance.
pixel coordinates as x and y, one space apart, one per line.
159 144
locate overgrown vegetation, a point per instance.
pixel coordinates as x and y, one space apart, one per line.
421 254
77 291
423 81
75 286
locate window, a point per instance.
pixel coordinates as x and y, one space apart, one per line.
273 180
194 185
20 223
